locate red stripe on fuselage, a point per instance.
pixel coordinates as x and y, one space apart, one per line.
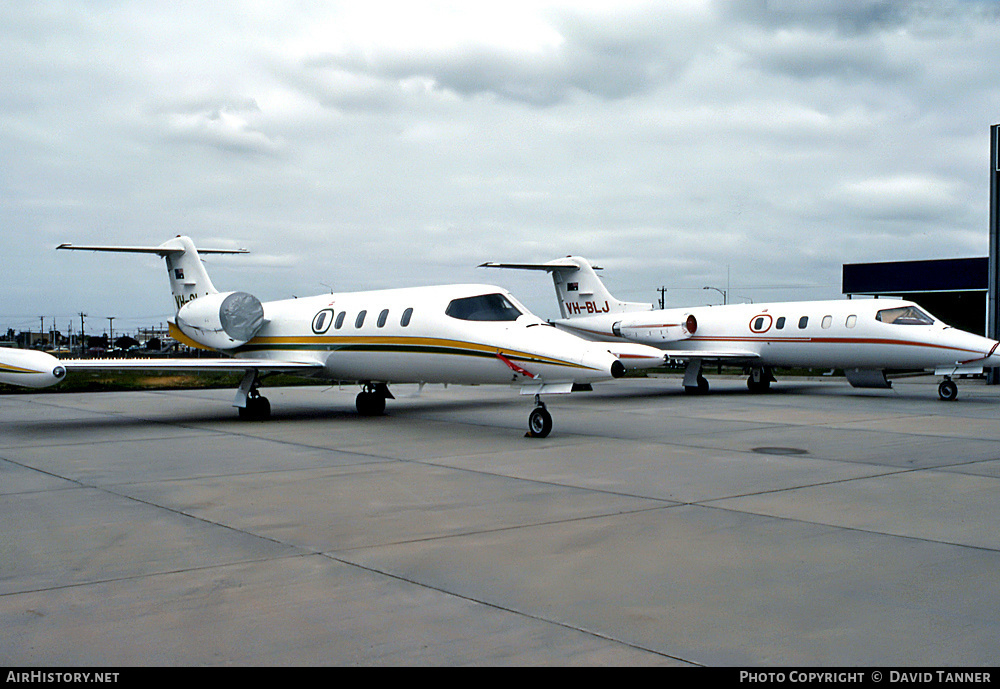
832 340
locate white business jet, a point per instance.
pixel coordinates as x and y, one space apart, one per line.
865 338
462 334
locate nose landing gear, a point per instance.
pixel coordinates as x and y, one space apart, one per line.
947 390
539 420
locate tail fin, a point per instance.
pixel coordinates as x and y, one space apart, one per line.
188 278
578 289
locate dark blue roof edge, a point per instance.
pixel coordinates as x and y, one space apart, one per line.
901 277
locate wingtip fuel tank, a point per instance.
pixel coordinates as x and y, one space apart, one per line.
29 368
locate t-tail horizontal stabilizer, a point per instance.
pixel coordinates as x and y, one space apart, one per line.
578 289
188 278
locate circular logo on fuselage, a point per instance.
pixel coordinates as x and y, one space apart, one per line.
322 320
761 323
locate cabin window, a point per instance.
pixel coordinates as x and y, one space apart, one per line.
405 320
382 318
360 320
827 321
761 324
486 307
803 322
904 315
780 323
340 320
321 321
852 321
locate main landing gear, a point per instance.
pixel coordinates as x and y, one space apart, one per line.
257 407
947 390
760 379
699 388
539 420
694 382
251 404
371 399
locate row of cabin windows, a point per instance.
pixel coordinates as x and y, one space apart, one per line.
484 307
827 321
903 315
321 325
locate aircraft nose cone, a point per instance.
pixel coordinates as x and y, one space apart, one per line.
993 356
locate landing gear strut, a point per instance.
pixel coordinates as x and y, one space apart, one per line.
539 420
371 399
947 390
694 382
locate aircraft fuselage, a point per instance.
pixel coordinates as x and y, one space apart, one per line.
849 333
407 336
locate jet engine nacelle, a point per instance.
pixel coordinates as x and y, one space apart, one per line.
29 368
653 328
222 321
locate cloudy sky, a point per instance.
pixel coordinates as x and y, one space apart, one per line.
356 145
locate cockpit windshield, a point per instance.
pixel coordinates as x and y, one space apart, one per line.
486 307
904 315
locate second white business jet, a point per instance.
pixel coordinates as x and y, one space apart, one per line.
463 334
866 338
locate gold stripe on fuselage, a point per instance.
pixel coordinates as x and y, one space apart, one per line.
460 347
179 335
7 368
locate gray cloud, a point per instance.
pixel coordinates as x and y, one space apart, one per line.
610 55
851 18
807 55
221 125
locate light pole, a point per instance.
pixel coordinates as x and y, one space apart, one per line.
725 299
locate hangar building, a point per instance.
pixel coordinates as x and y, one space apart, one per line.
963 292
953 290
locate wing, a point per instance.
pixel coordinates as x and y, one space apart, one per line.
33 369
194 365
730 356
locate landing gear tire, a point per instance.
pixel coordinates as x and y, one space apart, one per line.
700 389
539 422
370 403
258 408
947 390
762 384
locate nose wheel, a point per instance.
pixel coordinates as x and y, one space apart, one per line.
947 390
539 420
